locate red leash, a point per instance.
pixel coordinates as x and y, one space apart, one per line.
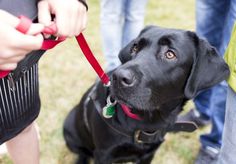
24 26
91 59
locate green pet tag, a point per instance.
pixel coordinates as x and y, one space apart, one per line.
109 110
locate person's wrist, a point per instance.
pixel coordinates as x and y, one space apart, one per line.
84 3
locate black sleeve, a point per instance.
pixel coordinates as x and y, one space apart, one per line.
84 3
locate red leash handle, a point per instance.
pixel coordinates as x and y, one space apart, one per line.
24 26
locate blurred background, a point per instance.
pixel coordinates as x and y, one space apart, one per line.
65 75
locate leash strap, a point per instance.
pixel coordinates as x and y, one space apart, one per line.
49 43
91 59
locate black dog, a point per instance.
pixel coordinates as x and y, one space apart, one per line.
161 69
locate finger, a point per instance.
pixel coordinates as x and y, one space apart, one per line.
28 42
83 23
9 66
17 59
74 22
78 20
35 29
14 59
9 55
81 19
9 18
44 14
62 23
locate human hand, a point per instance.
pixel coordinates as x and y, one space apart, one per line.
14 45
70 16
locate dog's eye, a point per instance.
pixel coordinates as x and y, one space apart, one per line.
134 49
170 55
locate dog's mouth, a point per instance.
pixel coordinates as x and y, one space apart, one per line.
136 98
121 100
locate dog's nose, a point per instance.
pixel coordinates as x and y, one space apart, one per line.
124 77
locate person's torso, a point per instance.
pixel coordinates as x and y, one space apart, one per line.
20 7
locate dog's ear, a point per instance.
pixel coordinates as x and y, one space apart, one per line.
208 68
148 28
125 53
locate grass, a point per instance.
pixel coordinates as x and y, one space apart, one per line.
65 75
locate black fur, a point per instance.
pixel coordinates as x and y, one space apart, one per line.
160 70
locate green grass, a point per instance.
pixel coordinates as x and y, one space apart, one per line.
65 75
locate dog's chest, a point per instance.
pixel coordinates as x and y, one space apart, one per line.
128 152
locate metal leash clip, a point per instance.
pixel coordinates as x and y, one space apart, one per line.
109 110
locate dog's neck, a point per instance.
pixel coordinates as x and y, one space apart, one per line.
152 120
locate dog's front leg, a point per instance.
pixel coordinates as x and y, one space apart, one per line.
101 157
146 159
83 159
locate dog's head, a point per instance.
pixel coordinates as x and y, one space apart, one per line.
162 65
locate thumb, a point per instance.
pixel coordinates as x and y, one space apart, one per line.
44 14
35 29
